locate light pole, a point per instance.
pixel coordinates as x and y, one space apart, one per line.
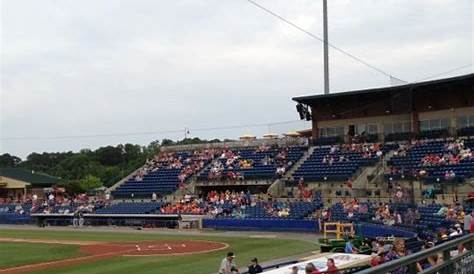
326 53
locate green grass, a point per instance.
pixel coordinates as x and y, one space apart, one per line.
15 254
245 248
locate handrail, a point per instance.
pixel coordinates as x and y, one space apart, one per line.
278 265
280 142
413 258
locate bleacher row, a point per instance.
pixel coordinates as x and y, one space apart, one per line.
314 169
258 170
296 210
165 180
131 208
429 219
411 164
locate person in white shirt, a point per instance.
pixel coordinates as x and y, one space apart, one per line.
228 265
467 222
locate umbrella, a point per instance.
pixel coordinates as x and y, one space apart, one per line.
292 134
247 137
270 136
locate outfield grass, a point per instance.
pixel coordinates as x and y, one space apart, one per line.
15 254
245 248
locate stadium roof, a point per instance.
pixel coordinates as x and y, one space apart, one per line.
35 179
412 86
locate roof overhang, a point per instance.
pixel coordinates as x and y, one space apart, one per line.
408 87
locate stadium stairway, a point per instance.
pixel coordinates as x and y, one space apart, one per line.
277 188
123 180
298 164
190 183
367 179
362 181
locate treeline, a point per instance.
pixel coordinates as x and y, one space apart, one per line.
88 169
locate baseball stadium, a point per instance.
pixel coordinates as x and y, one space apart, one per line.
377 180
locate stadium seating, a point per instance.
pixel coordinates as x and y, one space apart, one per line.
376 230
131 208
313 169
467 131
262 224
430 220
411 164
259 170
162 181
9 215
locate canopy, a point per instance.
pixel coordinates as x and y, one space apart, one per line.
9 183
292 134
247 137
270 136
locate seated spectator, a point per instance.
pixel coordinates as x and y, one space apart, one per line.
331 267
254 267
350 248
311 269
398 251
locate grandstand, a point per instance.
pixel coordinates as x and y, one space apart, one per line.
395 161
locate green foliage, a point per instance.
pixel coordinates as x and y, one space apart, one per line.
152 149
109 164
89 183
7 160
167 142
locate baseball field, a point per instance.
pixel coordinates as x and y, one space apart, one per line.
138 252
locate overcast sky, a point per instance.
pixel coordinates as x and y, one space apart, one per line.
80 68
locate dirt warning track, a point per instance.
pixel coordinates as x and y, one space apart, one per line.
95 251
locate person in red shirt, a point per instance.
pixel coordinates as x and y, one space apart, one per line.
332 269
376 259
311 269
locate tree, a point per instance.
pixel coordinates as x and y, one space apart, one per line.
152 149
109 155
7 160
89 183
132 152
74 167
110 175
167 142
44 162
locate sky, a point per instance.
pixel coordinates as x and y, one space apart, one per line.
84 74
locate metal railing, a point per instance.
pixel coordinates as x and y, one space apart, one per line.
459 264
280 142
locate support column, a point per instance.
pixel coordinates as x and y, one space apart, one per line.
314 125
415 121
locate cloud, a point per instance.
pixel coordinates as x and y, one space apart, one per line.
88 67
